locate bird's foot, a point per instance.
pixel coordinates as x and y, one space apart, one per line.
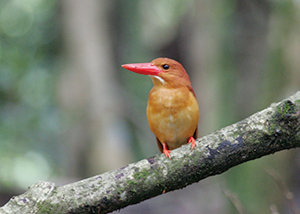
166 151
192 141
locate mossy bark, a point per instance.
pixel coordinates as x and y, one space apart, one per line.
273 129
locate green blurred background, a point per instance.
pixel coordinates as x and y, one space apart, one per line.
69 111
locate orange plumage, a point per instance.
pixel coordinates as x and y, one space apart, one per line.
172 109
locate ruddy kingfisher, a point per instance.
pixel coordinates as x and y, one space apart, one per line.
172 109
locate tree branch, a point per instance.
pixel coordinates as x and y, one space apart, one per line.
273 129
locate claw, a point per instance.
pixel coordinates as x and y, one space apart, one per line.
166 151
192 141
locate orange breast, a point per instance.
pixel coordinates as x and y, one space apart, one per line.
172 115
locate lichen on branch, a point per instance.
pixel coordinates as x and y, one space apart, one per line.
273 129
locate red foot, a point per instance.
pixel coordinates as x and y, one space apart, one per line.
192 141
166 151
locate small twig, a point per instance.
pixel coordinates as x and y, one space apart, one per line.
234 200
288 195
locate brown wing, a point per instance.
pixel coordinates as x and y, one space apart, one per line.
191 89
195 135
159 144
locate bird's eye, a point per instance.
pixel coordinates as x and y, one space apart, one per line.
166 67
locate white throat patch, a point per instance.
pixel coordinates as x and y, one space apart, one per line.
158 78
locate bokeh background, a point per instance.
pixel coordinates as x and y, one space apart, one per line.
69 111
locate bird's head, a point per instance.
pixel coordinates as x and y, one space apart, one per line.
163 71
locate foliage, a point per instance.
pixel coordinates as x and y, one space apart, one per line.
29 119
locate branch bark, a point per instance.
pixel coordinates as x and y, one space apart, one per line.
274 129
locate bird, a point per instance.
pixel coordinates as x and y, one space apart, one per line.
172 108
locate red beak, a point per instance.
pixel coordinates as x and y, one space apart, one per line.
143 68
